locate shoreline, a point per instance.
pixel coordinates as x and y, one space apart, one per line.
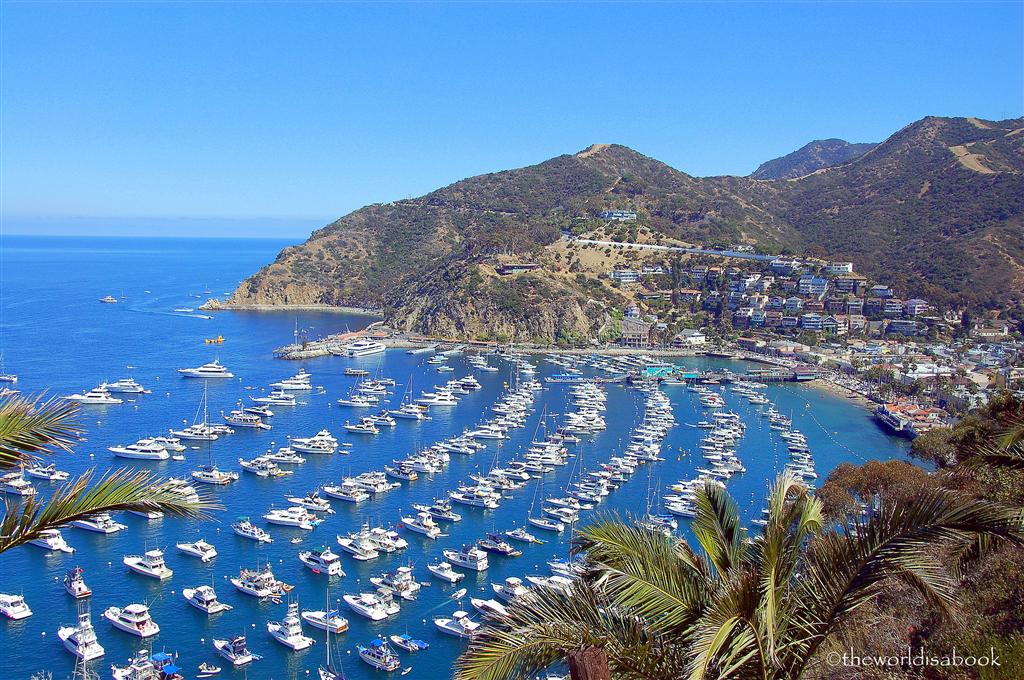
214 305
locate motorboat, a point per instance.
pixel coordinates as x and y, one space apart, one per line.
53 540
261 410
150 563
379 655
439 509
48 472
214 369
210 474
363 347
403 472
101 523
510 589
204 598
246 529
133 619
240 418
494 543
331 621
400 582
262 467
410 412
279 397
444 571
293 516
521 534
284 456
374 606
199 432
98 395
144 449
74 584
81 640
300 382
489 608
125 386
356 400
109 299
459 625
359 546
322 442
424 524
469 557
288 631
546 523
201 549
14 606
146 666
356 372
207 670
235 650
322 561
408 643
312 501
15 484
346 491
259 583
364 426
385 540
556 582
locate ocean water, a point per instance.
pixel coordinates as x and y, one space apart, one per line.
59 339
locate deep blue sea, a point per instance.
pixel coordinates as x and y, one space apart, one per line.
59 339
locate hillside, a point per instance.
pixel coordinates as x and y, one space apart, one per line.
936 210
821 153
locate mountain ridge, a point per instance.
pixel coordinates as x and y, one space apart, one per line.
813 156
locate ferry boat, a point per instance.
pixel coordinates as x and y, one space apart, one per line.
125 385
469 557
246 529
14 607
235 650
100 524
158 666
201 549
214 369
288 631
363 347
444 571
322 561
52 539
331 621
48 472
204 598
400 582
374 606
151 563
379 655
81 640
133 619
459 625
15 484
144 449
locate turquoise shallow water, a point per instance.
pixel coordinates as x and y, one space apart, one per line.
59 339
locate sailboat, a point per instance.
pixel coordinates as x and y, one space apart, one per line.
330 670
4 375
540 521
208 474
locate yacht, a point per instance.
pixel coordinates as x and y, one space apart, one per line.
109 299
288 631
386 540
440 509
279 397
204 598
358 401
322 561
214 369
408 643
424 524
444 571
359 546
312 501
284 455
47 472
97 395
510 589
144 449
235 650
374 606
410 412
262 467
158 666
322 442
261 410
101 524
489 608
521 534
14 607
133 619
74 584
201 549
151 563
52 539
347 491
210 474
246 529
400 582
459 625
259 583
300 382
494 543
293 516
469 557
331 621
239 418
15 484
379 655
81 640
126 386
363 347
364 426
546 523
562 583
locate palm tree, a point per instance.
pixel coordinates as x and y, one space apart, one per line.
734 606
30 427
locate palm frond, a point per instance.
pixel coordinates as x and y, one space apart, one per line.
119 490
29 425
717 528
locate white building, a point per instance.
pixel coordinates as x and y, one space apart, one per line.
690 338
838 268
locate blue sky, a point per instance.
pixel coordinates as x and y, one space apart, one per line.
273 119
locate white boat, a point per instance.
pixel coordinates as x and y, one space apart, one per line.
293 516
204 598
510 589
364 426
379 655
97 395
126 386
346 491
424 524
288 631
408 643
469 557
239 418
109 299
235 650
52 539
331 621
133 619
201 549
101 524
246 529
74 584
459 625
546 523
279 397
299 382
144 449
48 472
284 455
150 563
374 606
81 640
322 561
410 412
363 347
360 547
322 442
491 608
262 467
14 606
146 666
444 571
261 410
259 583
214 369
15 484
312 501
401 582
